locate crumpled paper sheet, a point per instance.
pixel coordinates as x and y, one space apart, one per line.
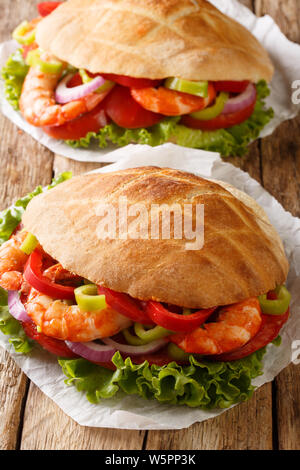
131 412
284 53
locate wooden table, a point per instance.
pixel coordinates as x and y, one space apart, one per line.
271 419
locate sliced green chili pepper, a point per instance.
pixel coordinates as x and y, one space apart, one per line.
86 78
276 307
187 86
24 33
33 59
151 335
212 111
87 298
29 244
186 311
177 353
131 339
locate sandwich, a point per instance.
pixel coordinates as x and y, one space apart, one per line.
120 72
124 307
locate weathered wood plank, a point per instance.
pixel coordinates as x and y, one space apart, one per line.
12 392
281 177
287 395
23 165
236 429
47 427
61 164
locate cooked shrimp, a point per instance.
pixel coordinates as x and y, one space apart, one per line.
12 262
57 273
235 326
169 102
68 322
37 101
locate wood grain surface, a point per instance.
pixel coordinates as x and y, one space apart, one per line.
271 419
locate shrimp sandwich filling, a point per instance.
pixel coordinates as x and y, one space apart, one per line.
121 72
127 299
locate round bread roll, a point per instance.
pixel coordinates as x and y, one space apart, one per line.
189 39
242 255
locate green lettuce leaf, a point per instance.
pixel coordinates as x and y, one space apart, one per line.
200 384
13 74
11 327
9 220
233 141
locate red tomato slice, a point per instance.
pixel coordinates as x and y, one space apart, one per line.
45 8
221 122
231 87
131 82
54 346
171 102
34 277
270 328
126 112
125 305
74 130
174 321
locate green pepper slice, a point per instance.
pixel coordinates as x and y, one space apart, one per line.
177 353
187 86
212 111
131 339
276 307
87 298
33 59
24 33
29 244
151 335
86 78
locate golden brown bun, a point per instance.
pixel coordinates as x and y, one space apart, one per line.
242 254
154 39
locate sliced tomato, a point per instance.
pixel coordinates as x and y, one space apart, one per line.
76 80
231 87
126 112
34 277
125 305
80 127
54 346
269 330
170 102
131 82
223 121
174 321
45 8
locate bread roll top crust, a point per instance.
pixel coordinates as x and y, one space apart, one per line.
156 39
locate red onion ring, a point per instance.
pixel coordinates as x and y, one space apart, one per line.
92 351
15 306
63 94
136 350
243 100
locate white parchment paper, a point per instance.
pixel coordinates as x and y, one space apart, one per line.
284 53
131 412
